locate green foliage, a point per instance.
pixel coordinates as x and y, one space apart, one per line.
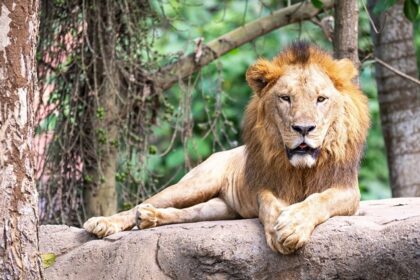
317 3
101 135
152 150
47 124
100 113
416 27
373 175
411 8
383 5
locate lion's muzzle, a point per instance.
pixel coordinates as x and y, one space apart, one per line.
303 129
302 150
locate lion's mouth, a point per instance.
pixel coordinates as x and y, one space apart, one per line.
303 149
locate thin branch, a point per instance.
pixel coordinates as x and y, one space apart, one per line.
396 71
184 67
370 18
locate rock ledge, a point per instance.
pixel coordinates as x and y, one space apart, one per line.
382 242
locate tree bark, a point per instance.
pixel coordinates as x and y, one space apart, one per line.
399 98
184 67
346 16
18 200
101 195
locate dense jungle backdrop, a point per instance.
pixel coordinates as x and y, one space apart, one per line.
87 119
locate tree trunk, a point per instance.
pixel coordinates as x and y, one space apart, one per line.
399 99
18 200
101 195
346 16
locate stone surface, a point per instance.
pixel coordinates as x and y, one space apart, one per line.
382 242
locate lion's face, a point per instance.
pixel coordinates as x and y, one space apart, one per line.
302 104
305 103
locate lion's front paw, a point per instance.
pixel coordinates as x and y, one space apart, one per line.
147 216
102 226
293 228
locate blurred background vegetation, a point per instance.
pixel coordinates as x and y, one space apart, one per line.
223 84
203 114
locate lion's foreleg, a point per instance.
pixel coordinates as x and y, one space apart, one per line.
269 208
296 222
214 209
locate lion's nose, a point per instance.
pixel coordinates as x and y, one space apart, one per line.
303 129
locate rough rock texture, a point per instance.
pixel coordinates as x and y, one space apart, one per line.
382 242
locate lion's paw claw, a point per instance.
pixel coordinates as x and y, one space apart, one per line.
291 231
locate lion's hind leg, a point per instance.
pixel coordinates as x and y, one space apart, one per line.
214 209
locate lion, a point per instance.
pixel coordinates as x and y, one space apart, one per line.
304 133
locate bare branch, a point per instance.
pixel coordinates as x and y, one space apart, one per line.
327 26
184 67
396 71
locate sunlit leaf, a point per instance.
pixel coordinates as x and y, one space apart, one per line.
317 3
411 9
48 259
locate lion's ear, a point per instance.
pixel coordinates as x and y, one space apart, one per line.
347 69
260 74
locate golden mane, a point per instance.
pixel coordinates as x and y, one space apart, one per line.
267 163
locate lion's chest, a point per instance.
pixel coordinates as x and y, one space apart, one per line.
294 187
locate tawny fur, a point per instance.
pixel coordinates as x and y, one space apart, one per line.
258 179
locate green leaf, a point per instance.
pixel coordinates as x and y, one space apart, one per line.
100 113
48 259
152 149
175 158
383 5
411 9
317 4
198 148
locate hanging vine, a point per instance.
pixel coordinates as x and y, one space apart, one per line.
93 57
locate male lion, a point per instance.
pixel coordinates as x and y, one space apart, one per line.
304 133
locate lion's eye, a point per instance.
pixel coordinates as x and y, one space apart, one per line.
285 98
321 99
